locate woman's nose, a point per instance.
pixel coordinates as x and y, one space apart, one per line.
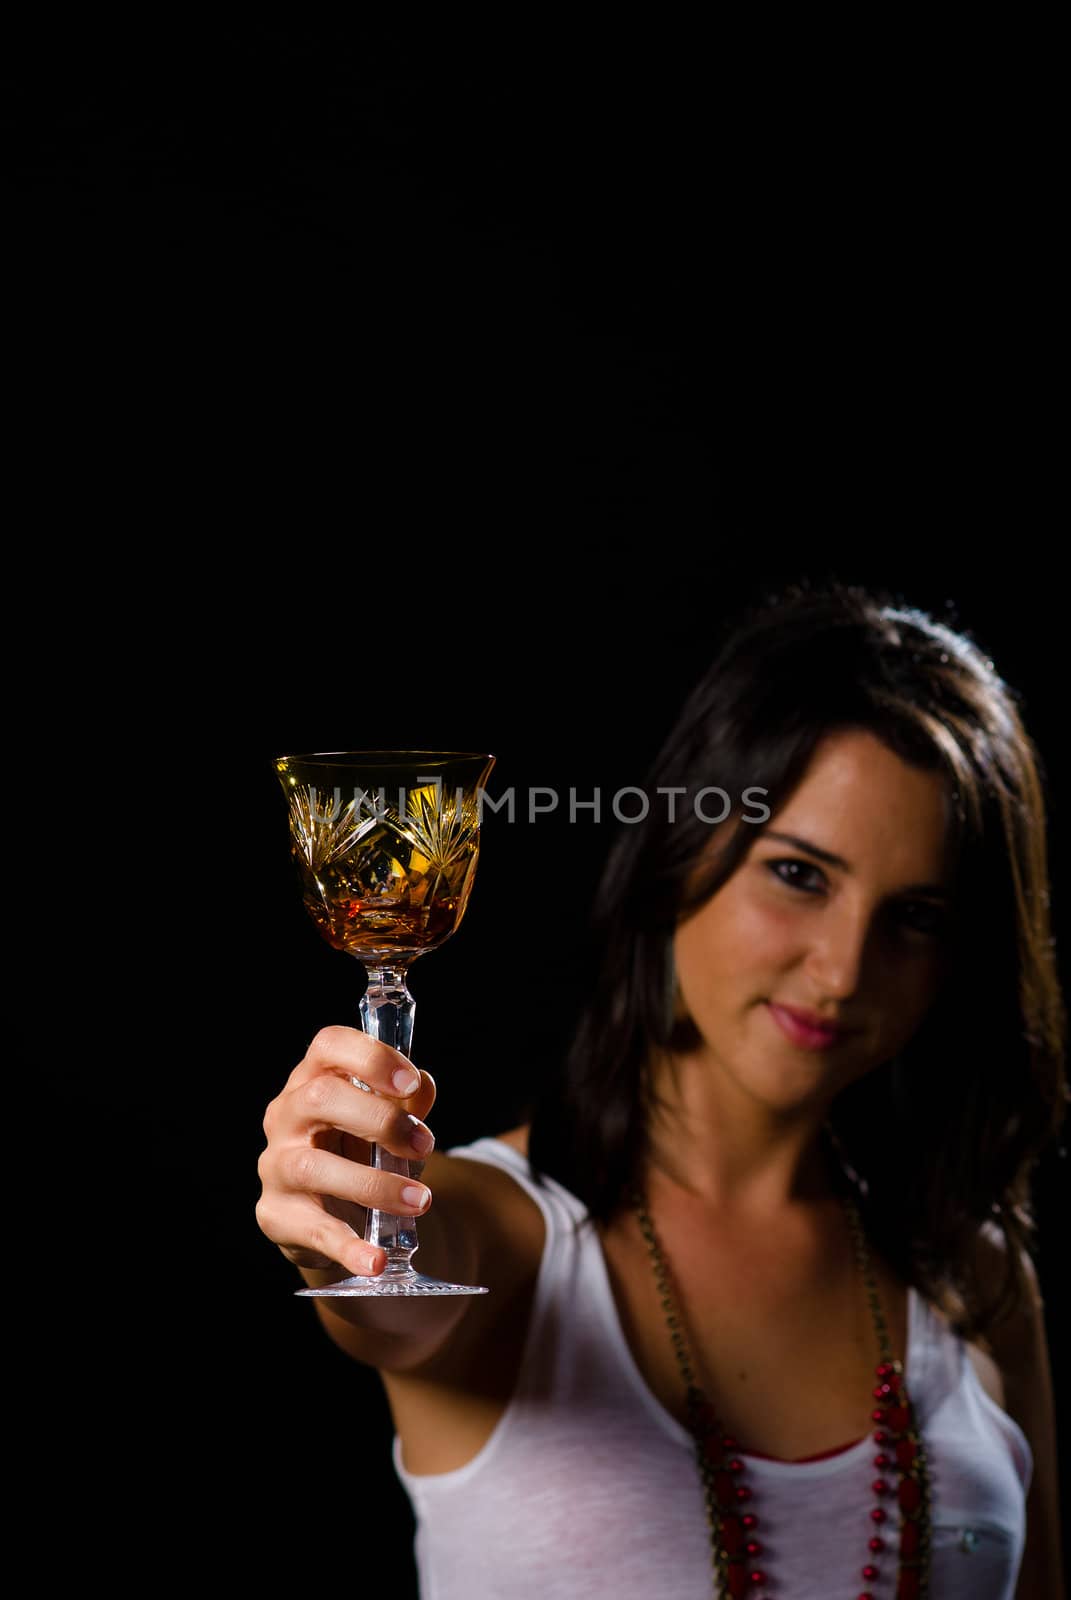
835 959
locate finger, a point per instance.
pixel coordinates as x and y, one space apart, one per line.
307 1230
421 1102
331 1101
418 1105
357 1055
307 1170
279 1116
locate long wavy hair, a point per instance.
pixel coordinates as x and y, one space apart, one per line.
939 1143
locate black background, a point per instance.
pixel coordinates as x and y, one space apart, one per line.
387 387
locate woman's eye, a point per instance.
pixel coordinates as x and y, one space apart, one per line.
915 916
922 918
792 871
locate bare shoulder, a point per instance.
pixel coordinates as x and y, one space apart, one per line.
517 1221
1006 1357
482 1228
446 1405
486 1203
989 1248
1010 1343
460 1173
482 1222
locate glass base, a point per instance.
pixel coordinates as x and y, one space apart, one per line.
414 1283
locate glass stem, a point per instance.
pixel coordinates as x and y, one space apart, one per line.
387 1010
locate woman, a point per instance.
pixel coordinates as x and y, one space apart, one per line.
763 1317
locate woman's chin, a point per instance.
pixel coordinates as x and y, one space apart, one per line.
791 1086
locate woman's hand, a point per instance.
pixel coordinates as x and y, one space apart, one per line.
316 1183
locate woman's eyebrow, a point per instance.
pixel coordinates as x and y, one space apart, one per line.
935 890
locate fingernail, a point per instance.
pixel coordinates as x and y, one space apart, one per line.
414 1195
420 1138
406 1081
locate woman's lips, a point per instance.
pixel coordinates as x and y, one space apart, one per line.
803 1033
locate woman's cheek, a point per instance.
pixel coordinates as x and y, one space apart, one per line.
735 937
764 933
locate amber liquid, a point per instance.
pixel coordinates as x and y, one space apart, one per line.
385 898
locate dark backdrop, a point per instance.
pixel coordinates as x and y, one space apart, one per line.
391 388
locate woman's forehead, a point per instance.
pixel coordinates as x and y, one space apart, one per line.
860 801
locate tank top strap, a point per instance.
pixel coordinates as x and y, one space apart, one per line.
923 1354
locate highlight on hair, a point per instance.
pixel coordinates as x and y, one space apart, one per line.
939 1143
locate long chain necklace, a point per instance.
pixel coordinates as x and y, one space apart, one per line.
732 1524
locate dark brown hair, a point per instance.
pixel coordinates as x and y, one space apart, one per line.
942 1140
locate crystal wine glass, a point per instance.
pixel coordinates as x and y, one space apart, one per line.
386 843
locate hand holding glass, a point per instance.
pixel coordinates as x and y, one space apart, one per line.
386 843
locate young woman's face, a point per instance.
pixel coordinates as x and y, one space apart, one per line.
862 944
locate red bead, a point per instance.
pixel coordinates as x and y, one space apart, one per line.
877 1515
736 1465
894 1380
881 1460
881 1437
910 1585
876 1544
743 1493
757 1577
909 1539
728 1442
879 1486
884 1369
866 1595
870 1573
879 1416
909 1494
750 1521
754 1548
882 1391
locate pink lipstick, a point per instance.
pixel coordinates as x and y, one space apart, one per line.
802 1030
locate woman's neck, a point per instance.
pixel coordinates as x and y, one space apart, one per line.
733 1153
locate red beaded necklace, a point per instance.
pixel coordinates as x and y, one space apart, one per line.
734 1547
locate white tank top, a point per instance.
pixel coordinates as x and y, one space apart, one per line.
588 1489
